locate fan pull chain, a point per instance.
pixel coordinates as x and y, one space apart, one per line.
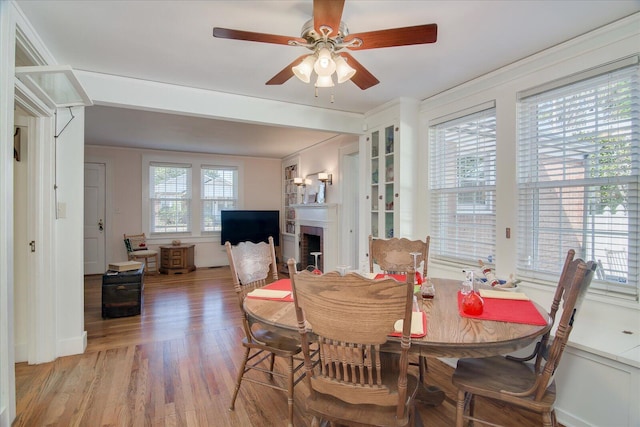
332 93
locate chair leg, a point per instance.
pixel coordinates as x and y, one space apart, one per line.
271 364
239 379
290 390
460 404
471 403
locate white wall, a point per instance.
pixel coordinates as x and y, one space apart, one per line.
7 373
69 237
602 357
326 157
260 188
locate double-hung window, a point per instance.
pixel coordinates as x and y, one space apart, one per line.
218 192
462 185
578 180
170 198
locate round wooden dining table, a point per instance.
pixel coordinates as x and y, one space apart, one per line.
448 333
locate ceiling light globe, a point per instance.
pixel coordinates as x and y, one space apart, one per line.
324 66
324 81
343 70
304 69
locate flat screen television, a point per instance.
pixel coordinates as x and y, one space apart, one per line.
246 225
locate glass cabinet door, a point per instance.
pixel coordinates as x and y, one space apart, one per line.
389 192
375 182
290 198
382 182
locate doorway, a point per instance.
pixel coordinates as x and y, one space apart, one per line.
350 246
21 235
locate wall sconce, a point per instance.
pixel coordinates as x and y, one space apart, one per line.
298 181
327 178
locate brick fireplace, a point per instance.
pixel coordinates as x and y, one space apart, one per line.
311 240
318 232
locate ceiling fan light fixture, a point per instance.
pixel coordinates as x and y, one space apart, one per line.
304 69
343 70
324 81
325 65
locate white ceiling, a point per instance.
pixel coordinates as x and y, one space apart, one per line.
172 42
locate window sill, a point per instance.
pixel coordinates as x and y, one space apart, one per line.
606 326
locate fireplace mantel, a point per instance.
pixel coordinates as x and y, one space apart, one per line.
324 215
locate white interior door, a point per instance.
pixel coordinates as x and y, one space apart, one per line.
94 218
21 238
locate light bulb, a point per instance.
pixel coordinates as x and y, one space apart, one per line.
324 66
324 81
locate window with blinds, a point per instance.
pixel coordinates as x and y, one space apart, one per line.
218 191
170 198
578 163
462 185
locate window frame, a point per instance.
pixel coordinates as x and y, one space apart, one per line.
446 185
197 162
186 200
601 133
204 200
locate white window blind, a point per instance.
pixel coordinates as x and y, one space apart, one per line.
219 190
578 163
170 198
462 184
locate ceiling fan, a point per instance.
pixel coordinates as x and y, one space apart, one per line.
327 36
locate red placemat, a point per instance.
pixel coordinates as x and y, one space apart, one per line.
506 310
399 277
278 285
424 328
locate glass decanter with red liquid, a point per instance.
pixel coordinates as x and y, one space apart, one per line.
472 302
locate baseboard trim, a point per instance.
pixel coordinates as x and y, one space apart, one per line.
71 346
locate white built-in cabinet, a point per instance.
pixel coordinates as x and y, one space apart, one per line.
383 193
390 165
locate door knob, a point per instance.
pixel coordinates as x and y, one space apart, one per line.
101 225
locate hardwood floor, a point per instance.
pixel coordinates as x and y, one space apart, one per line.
175 365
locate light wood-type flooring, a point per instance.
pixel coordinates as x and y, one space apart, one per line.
175 365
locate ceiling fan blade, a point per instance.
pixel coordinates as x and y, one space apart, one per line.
362 78
286 72
329 13
226 33
419 34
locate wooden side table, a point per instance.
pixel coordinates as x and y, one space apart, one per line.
176 259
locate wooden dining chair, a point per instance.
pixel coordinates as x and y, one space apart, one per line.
253 265
136 245
351 317
393 256
512 380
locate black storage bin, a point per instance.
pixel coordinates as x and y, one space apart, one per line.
122 293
